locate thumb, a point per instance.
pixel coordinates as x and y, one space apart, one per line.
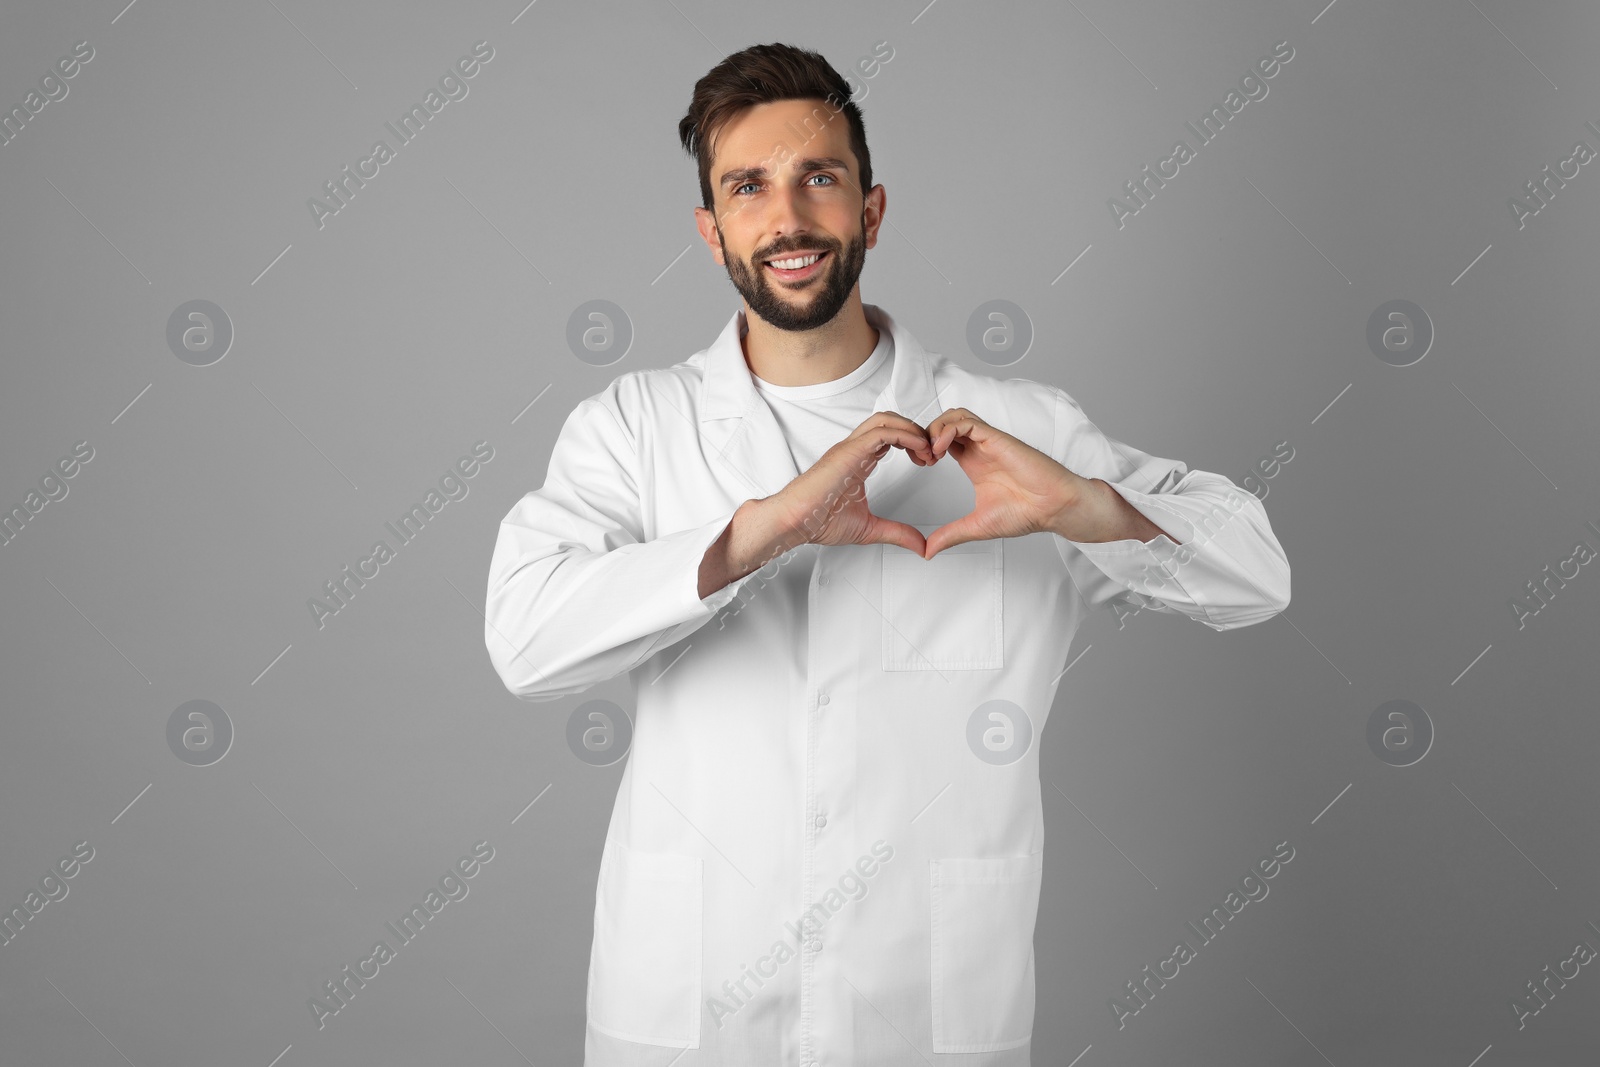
889 532
958 532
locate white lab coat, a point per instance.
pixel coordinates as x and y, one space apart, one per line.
820 758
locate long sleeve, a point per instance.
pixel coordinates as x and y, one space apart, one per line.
576 595
1218 561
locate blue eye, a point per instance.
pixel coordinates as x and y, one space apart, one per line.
819 174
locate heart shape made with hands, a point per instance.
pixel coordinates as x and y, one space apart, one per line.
1019 490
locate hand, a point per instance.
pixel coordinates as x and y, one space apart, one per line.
1020 490
827 505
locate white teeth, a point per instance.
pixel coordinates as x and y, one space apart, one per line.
795 264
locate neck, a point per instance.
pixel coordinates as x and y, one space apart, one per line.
832 350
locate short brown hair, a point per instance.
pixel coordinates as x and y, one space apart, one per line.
762 74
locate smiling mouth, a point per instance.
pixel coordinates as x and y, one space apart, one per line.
796 274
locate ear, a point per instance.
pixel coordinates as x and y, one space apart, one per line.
872 210
707 225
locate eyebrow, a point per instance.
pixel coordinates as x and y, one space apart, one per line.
804 166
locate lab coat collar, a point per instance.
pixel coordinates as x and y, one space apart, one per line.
746 434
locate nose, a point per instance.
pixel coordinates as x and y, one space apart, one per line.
787 213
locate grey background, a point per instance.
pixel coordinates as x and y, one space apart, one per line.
1227 316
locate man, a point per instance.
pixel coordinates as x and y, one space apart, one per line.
827 844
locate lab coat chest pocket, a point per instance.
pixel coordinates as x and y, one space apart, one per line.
644 965
983 913
944 613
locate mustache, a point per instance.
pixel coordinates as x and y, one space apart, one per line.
782 252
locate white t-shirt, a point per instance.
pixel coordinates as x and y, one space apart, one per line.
813 419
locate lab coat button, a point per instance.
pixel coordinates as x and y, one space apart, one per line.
823 580
822 820
822 698
814 944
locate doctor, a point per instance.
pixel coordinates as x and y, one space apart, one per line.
842 574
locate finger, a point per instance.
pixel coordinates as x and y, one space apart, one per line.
956 532
880 419
855 458
912 438
954 423
948 436
886 418
889 532
946 416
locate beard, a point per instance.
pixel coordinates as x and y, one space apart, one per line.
830 288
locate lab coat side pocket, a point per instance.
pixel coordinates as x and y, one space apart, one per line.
644 964
944 613
983 915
